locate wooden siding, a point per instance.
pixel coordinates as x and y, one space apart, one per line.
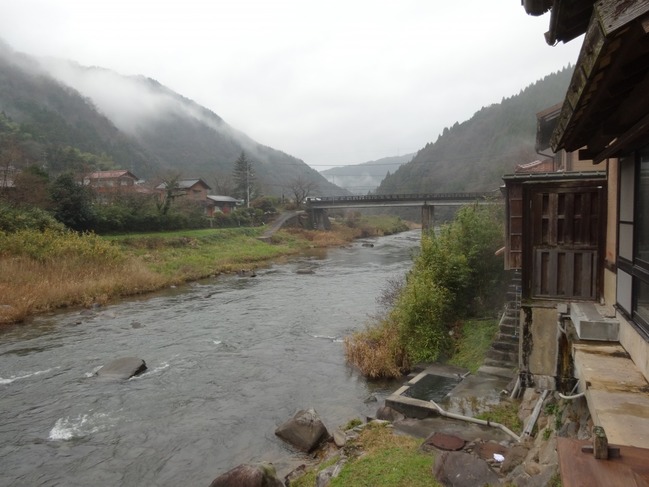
565 227
565 273
514 227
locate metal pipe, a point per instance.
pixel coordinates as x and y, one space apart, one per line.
516 388
469 419
574 396
527 431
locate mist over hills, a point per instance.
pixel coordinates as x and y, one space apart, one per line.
136 122
365 177
473 155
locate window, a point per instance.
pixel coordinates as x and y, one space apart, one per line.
642 211
633 240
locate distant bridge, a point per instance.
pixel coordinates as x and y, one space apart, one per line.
317 206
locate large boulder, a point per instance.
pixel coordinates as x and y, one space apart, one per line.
258 475
122 368
305 430
459 469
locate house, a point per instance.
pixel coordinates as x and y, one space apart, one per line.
108 185
193 189
104 181
221 204
581 237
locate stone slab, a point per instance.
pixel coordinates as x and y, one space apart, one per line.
616 391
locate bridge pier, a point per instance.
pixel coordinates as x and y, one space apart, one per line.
427 215
319 219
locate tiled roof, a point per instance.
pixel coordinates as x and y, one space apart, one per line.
110 174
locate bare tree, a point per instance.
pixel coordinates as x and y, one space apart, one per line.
223 184
301 188
170 191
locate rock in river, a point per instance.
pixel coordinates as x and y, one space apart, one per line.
304 431
122 368
260 475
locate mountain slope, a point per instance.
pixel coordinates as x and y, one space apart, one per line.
133 123
473 155
182 134
54 115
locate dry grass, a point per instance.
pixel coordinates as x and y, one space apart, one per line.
340 235
41 271
29 286
377 350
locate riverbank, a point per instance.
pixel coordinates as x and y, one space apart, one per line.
43 271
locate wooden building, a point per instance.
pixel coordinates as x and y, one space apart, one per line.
192 189
221 204
108 185
580 236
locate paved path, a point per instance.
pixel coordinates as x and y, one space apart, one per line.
277 224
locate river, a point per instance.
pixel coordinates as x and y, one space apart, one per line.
229 359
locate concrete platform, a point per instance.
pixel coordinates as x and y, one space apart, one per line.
474 394
616 391
590 323
418 408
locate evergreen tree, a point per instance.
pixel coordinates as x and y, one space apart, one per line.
72 203
244 179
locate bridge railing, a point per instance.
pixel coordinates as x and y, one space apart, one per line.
402 197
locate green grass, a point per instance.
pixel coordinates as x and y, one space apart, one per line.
505 413
386 459
192 254
473 343
390 460
309 478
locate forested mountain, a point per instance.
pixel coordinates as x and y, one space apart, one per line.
52 123
365 177
473 155
135 123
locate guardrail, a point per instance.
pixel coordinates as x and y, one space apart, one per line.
432 197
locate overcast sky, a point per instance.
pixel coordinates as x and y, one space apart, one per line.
332 83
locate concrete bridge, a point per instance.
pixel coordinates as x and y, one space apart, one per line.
318 206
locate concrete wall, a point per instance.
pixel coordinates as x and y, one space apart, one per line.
539 345
635 345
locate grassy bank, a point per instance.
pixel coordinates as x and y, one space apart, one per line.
379 458
455 278
41 270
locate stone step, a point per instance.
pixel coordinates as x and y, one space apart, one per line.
502 356
510 330
499 364
507 372
502 346
509 320
507 338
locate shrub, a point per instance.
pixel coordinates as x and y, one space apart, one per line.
454 276
378 351
52 244
13 219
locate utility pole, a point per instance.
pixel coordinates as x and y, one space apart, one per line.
248 185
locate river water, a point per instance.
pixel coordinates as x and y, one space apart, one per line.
229 359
